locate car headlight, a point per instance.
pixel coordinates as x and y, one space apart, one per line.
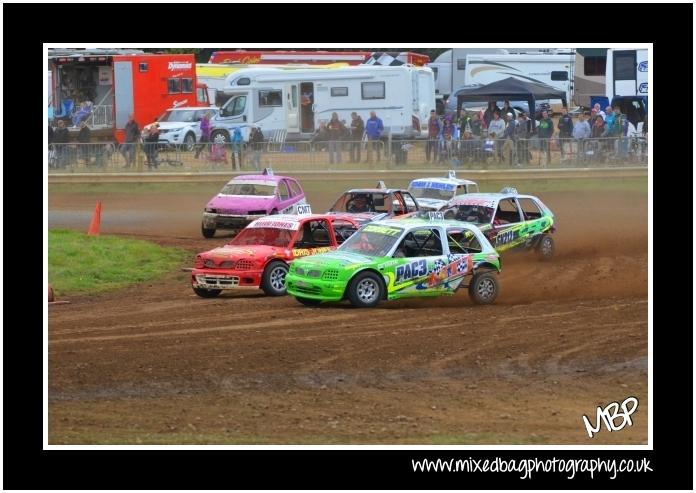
208 209
314 273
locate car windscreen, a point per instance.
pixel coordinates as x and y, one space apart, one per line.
477 214
276 237
244 188
431 193
178 116
372 240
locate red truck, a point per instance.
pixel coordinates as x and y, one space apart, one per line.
108 85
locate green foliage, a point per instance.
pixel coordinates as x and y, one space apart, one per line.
78 263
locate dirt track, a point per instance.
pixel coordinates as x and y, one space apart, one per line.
157 364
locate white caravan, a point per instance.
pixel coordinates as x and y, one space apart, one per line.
554 69
297 101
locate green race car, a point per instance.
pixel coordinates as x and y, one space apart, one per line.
509 220
400 258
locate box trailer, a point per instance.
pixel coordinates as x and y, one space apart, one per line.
118 83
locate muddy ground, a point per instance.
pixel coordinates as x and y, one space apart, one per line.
157 364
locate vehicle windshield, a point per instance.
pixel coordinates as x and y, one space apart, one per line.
431 193
372 240
256 189
178 116
477 214
263 236
355 202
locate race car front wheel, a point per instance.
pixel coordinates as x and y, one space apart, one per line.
483 289
365 290
207 232
273 283
207 293
545 248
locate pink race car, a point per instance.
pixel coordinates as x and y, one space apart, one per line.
248 197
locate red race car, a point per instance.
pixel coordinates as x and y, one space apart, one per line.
259 255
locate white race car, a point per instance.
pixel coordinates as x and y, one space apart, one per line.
433 193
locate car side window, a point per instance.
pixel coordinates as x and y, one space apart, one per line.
507 212
314 234
343 230
423 242
294 188
410 203
283 190
462 241
530 209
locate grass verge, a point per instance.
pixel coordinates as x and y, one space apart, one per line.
78 263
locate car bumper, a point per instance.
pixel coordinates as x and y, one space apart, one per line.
313 288
227 221
225 279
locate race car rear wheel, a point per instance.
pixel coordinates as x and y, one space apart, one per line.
207 232
365 290
545 248
207 293
308 301
273 282
483 288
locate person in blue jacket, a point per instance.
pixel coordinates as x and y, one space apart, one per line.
373 128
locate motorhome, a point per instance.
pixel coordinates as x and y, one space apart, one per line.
448 70
554 68
297 101
590 76
214 75
613 76
627 74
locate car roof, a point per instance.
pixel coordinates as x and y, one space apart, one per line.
211 108
413 222
374 190
440 179
272 178
490 197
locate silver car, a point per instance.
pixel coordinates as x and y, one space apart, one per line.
181 127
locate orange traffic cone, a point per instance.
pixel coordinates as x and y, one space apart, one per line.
96 221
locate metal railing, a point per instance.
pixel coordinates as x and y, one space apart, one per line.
347 155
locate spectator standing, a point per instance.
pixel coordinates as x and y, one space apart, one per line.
545 134
490 113
447 138
357 129
320 136
60 141
522 131
150 140
508 109
510 138
128 148
237 143
476 125
620 131
205 134
581 131
374 128
565 130
84 137
336 130
497 126
434 129
256 143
